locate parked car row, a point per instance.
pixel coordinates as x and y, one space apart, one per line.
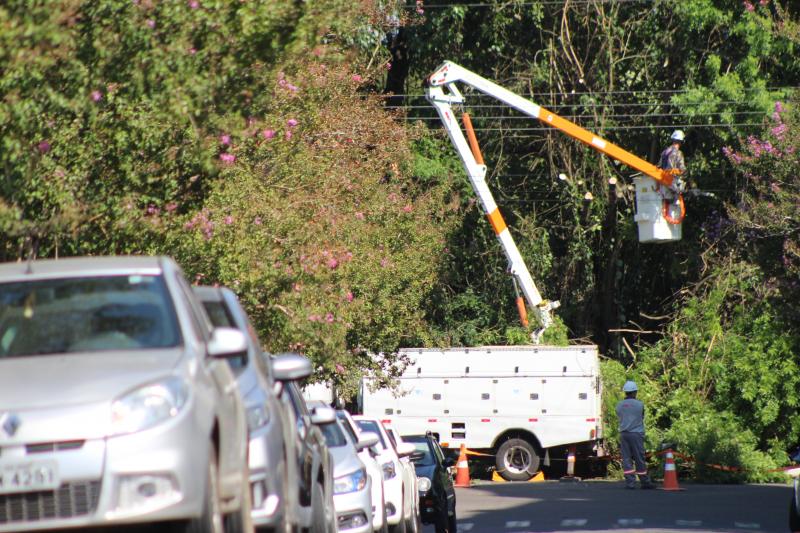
128 397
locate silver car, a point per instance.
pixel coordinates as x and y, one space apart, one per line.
271 488
352 486
116 403
312 466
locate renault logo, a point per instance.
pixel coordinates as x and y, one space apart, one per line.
9 422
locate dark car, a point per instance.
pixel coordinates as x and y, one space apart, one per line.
794 505
794 513
437 496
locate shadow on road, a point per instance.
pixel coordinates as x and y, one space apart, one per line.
608 506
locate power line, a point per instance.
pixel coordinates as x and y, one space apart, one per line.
602 117
628 91
620 128
525 4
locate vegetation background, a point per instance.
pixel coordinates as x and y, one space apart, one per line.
284 149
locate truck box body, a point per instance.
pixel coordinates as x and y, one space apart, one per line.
479 396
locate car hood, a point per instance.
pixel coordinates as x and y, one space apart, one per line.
345 460
39 382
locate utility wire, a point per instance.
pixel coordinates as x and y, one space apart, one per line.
525 4
602 117
622 128
642 91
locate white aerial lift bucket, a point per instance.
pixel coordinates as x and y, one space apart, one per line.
658 221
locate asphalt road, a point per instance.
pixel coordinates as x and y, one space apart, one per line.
607 506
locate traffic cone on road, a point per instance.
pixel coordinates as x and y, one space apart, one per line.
670 474
462 468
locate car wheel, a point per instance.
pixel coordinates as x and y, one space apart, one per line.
413 524
516 460
211 519
385 525
241 521
401 526
451 523
440 522
794 517
319 513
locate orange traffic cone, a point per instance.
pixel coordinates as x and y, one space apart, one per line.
670 474
462 468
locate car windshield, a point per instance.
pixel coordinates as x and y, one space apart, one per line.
333 435
346 426
422 445
131 312
371 425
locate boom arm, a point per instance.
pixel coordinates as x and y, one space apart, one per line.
450 73
446 76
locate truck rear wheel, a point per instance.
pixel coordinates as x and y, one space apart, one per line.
516 460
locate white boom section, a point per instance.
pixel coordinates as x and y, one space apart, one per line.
477 176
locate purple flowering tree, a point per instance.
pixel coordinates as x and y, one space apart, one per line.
767 215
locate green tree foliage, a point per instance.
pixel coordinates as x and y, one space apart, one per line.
200 129
631 74
318 225
243 138
719 335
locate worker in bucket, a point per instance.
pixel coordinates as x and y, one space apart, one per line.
630 413
672 160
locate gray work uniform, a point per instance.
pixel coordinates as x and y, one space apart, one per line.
672 158
630 412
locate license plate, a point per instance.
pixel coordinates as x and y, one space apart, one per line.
28 477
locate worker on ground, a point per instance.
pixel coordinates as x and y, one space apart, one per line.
672 160
630 413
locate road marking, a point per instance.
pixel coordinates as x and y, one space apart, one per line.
573 522
467 526
627 522
689 523
747 525
518 523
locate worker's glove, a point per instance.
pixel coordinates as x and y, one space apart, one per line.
678 184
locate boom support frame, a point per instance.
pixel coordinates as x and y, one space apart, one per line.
447 76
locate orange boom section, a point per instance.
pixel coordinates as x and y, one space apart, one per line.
664 177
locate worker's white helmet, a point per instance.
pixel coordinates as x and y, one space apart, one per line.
630 386
677 135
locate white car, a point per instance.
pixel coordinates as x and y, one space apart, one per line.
400 482
369 456
352 492
408 466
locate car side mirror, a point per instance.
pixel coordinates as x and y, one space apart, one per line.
226 342
404 449
417 456
367 439
448 462
323 415
290 367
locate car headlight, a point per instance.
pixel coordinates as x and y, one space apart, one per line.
257 417
388 470
148 405
423 484
351 482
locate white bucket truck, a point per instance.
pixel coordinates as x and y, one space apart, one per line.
514 402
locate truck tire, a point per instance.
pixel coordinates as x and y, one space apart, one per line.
516 460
